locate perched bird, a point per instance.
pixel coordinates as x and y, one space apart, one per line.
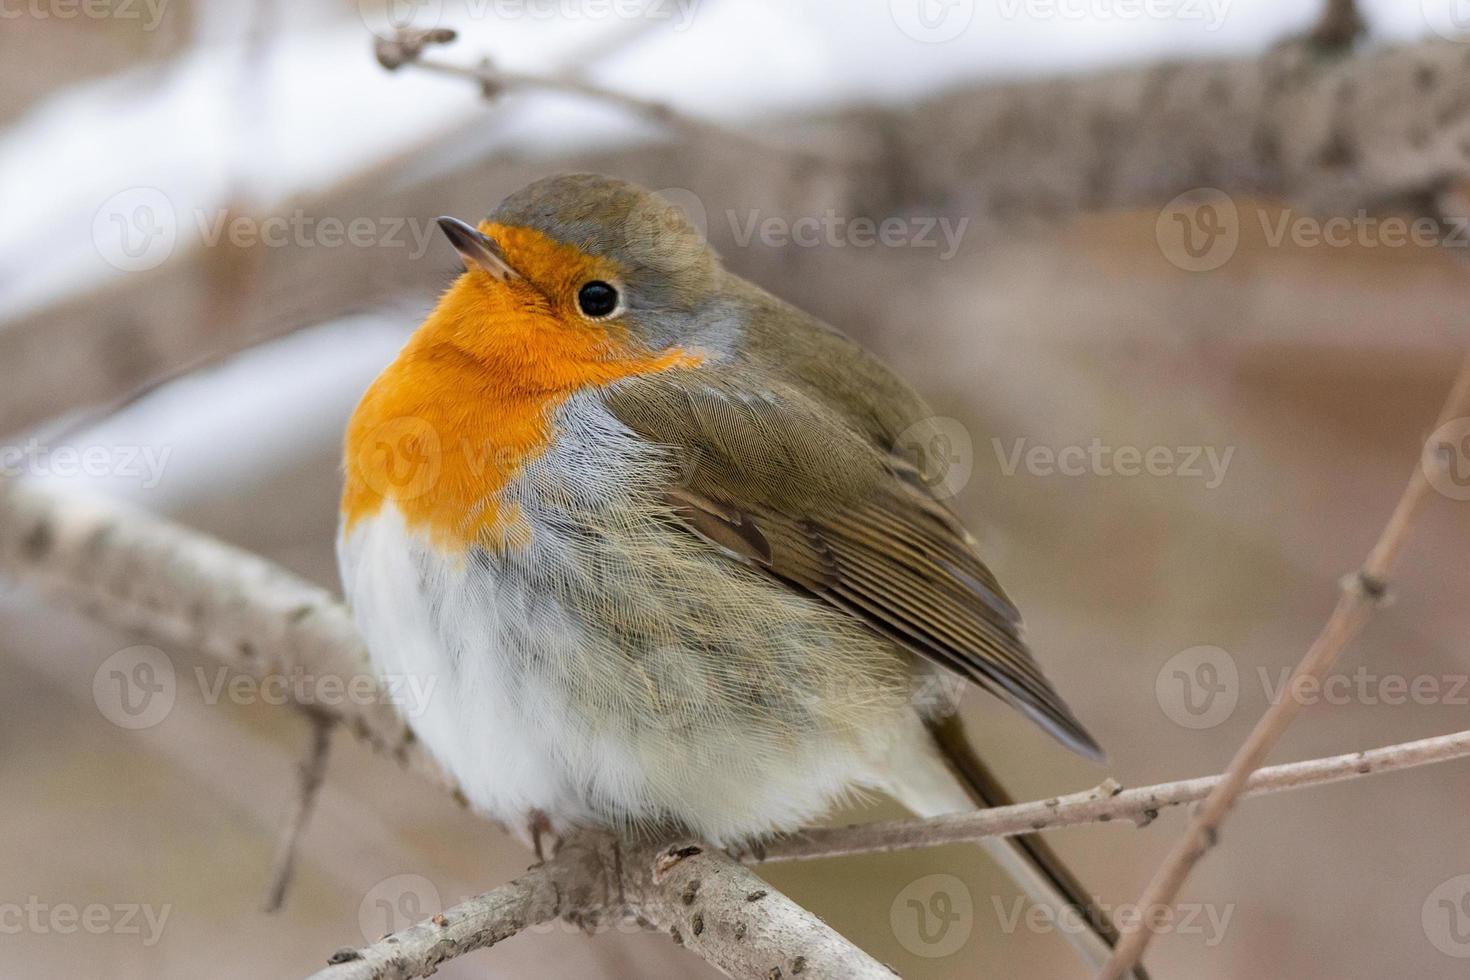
647 528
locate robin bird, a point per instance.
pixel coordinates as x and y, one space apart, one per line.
649 530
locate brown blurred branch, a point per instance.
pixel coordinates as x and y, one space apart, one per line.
1340 25
174 585
1372 129
1362 593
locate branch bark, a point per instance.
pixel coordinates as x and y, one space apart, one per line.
701 898
142 573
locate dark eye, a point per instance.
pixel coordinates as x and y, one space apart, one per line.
597 298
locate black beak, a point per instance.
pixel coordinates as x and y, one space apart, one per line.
478 250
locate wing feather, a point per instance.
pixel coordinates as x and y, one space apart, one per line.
772 480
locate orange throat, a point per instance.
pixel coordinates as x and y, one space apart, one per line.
468 403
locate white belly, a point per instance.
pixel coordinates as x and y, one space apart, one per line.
619 672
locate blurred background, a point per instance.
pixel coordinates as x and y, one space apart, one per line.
1178 403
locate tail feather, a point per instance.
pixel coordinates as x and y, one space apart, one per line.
1028 859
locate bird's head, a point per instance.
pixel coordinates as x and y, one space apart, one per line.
575 268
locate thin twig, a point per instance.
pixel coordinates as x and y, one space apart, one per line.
1105 803
594 878
309 776
408 47
1340 25
1361 595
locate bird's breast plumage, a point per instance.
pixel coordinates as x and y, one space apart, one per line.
442 431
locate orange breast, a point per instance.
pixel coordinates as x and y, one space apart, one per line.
469 402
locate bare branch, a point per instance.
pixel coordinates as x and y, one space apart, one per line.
309 776
695 895
1108 802
178 586
578 882
1362 593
